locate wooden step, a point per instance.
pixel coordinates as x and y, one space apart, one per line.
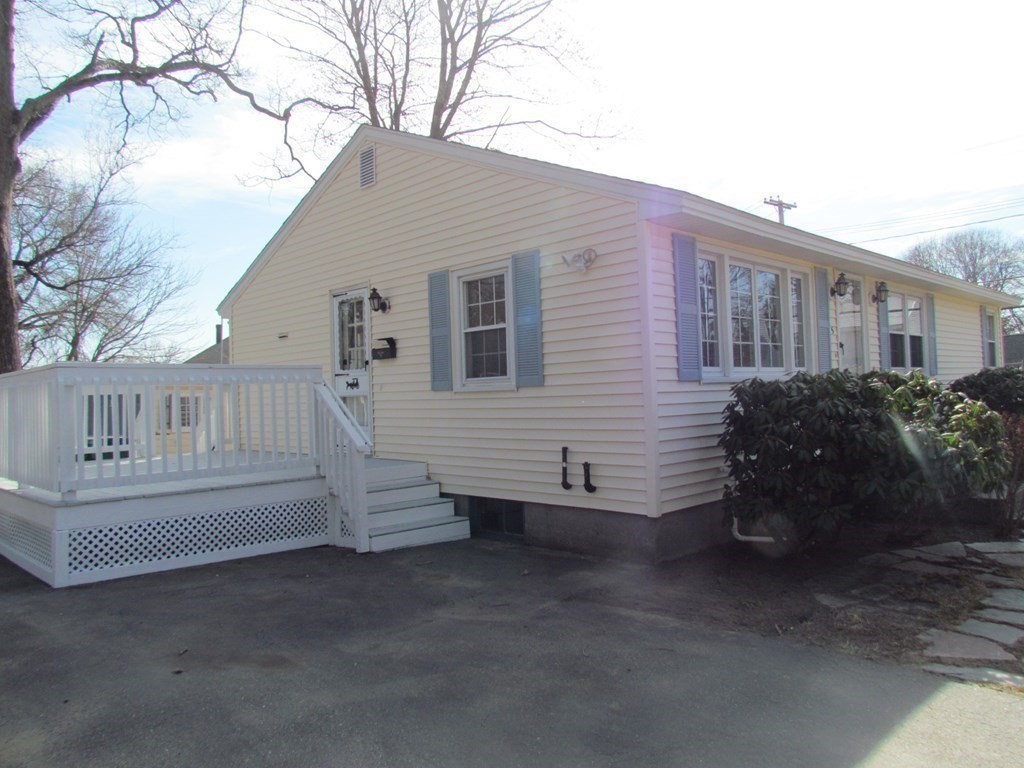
403 490
380 471
431 531
400 512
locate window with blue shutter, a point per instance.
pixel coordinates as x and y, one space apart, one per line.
440 331
688 337
493 339
933 344
526 298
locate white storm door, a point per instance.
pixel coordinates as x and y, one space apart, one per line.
851 327
352 353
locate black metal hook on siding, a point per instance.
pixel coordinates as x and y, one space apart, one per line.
588 486
565 468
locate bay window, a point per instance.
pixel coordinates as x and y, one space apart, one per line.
749 322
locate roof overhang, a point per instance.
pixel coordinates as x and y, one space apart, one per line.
713 221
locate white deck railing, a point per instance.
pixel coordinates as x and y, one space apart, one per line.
75 426
343 448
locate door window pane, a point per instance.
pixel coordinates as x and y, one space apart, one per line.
851 328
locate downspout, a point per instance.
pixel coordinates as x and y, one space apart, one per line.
751 539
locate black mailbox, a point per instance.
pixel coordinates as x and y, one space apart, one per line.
385 353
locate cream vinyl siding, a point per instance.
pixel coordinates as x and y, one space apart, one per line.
959 335
689 462
428 213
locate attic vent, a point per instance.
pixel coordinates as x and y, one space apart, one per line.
367 166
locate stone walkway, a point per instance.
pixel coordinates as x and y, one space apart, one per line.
988 644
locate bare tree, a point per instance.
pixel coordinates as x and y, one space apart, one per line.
91 285
443 68
985 257
144 57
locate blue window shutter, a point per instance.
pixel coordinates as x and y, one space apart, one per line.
823 316
684 251
526 297
884 346
439 302
933 345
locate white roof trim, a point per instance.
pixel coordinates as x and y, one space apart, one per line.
661 205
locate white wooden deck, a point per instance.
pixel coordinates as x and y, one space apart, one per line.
110 471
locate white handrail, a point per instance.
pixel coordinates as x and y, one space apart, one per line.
76 426
342 449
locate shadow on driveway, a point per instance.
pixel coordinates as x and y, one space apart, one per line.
475 653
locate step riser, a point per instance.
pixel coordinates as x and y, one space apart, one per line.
412 470
412 514
396 495
457 530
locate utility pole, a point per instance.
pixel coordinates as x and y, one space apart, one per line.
783 207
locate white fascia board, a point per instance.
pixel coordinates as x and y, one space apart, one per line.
706 218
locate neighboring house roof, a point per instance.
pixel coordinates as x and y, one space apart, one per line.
668 207
1013 348
215 354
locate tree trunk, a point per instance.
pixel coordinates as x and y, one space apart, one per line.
10 352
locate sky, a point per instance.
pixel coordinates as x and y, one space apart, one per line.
886 123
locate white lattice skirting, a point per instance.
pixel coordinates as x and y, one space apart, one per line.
109 551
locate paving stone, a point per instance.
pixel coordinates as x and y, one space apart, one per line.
919 566
1013 560
835 602
917 554
1003 617
949 549
880 591
989 547
997 581
978 675
952 645
882 559
1012 599
1000 633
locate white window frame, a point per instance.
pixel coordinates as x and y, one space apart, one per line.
904 297
991 323
724 260
458 306
172 411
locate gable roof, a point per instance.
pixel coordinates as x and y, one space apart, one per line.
661 205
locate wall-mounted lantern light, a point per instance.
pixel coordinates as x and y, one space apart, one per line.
377 302
881 294
842 285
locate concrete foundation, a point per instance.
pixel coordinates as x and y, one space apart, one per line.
608 534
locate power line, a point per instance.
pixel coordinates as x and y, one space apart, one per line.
884 223
938 229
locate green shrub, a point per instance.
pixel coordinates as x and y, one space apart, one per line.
1001 389
816 449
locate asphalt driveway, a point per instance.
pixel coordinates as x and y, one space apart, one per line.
474 653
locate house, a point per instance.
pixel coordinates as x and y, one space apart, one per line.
1013 349
557 345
